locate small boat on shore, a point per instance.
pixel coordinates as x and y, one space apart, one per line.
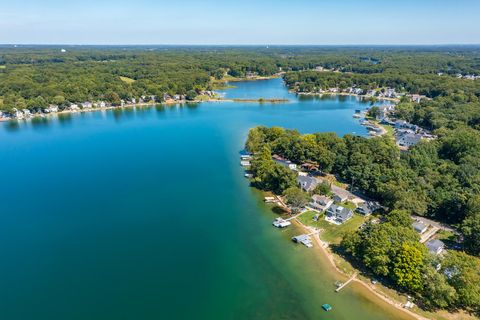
281 223
244 163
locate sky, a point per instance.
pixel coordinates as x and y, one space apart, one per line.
260 22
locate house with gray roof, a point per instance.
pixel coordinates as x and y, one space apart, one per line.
307 183
367 208
435 246
340 195
339 214
419 227
408 140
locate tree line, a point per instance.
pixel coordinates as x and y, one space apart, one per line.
34 77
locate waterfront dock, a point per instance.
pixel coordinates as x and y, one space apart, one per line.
346 283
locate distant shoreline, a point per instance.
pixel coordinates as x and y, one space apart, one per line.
148 104
343 94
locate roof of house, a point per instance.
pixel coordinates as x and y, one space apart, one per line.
344 194
365 208
419 226
434 245
369 207
340 211
307 182
410 138
319 198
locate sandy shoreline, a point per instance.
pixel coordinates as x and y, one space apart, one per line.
326 252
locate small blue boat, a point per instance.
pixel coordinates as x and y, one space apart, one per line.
327 307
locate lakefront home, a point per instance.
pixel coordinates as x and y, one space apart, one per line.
367 208
419 227
307 183
339 214
73 107
435 246
340 195
320 203
284 162
51 108
409 140
87 105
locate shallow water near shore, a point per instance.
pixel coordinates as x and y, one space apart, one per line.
145 214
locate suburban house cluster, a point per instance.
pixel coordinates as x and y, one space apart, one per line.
406 134
340 205
19 114
333 206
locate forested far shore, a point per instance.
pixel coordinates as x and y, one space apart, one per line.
38 76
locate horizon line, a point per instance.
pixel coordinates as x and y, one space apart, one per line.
245 45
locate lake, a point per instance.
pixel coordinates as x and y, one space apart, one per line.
144 213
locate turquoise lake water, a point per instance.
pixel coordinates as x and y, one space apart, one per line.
145 214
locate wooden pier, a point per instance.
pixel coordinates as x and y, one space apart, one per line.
346 283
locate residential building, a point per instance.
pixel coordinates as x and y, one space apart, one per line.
284 162
384 111
339 214
320 203
27 113
73 107
367 208
340 195
307 183
419 227
87 105
408 140
51 108
435 246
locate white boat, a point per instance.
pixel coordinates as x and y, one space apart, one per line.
245 163
281 223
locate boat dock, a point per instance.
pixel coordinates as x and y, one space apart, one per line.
346 283
305 239
245 163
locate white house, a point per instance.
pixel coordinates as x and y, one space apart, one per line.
51 108
27 113
87 105
73 107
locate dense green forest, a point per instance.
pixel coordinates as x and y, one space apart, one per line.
33 77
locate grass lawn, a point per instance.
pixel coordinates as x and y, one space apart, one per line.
349 205
332 233
127 80
3 67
